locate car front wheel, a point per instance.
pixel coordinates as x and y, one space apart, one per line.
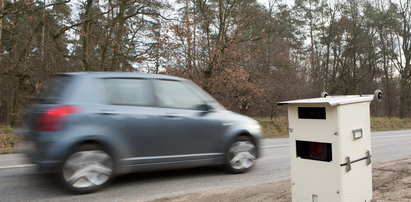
87 169
241 155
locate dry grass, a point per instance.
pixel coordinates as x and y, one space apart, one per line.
273 128
8 140
383 123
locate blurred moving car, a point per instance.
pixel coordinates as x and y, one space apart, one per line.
89 127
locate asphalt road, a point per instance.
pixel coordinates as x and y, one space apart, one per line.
19 181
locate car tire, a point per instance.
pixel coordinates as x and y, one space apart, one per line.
87 169
241 155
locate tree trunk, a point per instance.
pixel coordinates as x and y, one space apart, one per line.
404 101
43 26
1 23
388 101
119 36
188 28
406 70
87 36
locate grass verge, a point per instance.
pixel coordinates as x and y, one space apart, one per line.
383 123
273 128
8 140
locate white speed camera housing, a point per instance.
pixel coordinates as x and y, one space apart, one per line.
330 142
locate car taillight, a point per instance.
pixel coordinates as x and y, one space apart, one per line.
53 119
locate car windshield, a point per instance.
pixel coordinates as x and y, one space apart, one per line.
210 100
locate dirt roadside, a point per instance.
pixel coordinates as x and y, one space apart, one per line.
391 182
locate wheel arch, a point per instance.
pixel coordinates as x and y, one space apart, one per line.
242 133
105 145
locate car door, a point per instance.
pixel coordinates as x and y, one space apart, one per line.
189 131
131 116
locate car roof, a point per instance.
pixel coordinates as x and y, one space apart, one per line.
122 75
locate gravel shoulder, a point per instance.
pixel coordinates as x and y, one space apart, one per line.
391 182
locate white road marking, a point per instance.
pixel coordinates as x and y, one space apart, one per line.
12 159
17 166
275 146
391 136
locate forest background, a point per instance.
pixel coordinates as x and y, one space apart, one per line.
246 53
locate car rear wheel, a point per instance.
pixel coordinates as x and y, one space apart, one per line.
87 169
241 155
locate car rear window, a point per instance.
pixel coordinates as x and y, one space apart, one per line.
136 92
54 89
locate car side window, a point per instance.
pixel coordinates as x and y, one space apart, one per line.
128 92
176 94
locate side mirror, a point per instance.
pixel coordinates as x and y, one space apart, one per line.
205 107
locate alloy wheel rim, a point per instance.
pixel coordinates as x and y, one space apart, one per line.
87 169
243 155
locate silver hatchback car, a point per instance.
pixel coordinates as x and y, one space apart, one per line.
89 127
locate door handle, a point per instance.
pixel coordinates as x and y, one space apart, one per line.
107 112
172 116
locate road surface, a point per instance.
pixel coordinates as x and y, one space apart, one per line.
19 180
